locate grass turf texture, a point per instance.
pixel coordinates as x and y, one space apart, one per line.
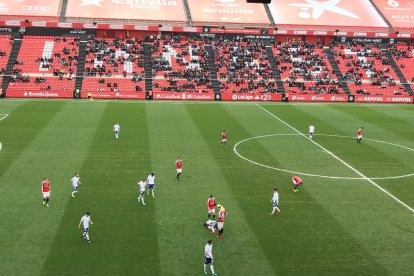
331 227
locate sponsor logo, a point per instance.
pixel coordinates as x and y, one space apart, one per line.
318 9
300 32
39 24
64 25
13 23
78 31
6 30
393 3
190 29
401 99
360 34
37 9
116 26
141 28
404 35
298 98
367 40
40 94
373 99
4 8
143 4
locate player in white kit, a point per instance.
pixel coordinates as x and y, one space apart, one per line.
151 184
208 257
117 129
75 184
141 185
86 220
311 131
275 202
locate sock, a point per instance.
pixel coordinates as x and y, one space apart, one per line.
277 208
273 211
212 269
143 203
222 231
205 267
214 216
87 236
153 193
139 199
47 200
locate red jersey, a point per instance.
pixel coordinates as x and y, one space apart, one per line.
223 136
178 164
359 133
211 203
296 179
45 186
222 215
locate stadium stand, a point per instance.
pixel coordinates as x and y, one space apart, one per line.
180 64
403 56
305 69
367 70
114 64
45 63
5 48
243 66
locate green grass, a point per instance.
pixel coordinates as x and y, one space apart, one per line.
339 226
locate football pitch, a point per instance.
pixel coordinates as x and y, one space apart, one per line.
353 215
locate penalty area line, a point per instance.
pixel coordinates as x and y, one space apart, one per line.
339 159
4 116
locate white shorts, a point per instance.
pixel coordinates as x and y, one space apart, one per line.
179 170
46 194
359 136
220 225
211 211
224 140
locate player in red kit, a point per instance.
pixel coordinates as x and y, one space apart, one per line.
179 167
296 183
359 135
211 207
220 221
46 191
224 138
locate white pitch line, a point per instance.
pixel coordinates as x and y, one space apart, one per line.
4 116
340 160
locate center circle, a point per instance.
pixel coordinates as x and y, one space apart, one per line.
317 175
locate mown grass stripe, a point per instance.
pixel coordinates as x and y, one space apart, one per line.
124 234
182 217
17 131
55 152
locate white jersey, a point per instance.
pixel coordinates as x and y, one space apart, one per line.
117 127
211 223
85 221
311 129
208 251
141 185
275 197
151 180
75 181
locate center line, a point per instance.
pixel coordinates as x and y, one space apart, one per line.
339 159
